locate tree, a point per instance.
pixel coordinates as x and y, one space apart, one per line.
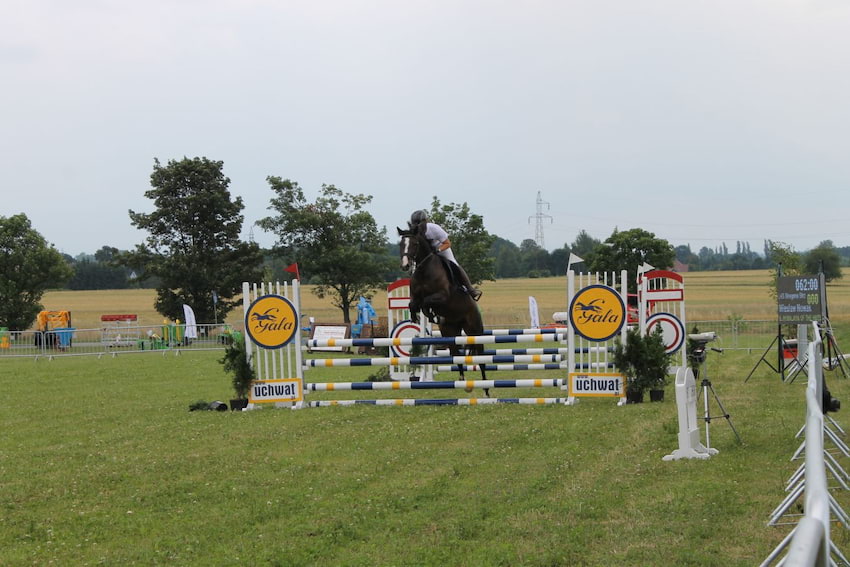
29 266
194 247
106 254
558 261
784 258
629 250
685 255
584 244
97 275
99 271
470 240
507 258
825 257
535 260
335 241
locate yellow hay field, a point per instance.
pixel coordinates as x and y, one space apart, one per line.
708 296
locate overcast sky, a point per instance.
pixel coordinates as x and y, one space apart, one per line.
702 121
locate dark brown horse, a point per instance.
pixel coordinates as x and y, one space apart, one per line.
435 292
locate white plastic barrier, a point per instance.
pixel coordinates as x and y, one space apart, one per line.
809 544
690 445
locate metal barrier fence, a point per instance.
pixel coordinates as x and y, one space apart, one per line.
739 334
112 340
731 334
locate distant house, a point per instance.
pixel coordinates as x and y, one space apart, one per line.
680 267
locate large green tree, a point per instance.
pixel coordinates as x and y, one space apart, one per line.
630 249
193 247
334 239
29 266
471 242
824 257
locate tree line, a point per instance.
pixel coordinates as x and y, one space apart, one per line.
193 251
527 260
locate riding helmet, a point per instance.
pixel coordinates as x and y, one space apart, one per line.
418 217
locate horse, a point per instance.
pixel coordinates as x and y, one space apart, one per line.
434 292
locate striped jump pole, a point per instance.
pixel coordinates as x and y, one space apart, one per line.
436 385
514 332
502 367
437 402
431 341
561 351
423 360
563 365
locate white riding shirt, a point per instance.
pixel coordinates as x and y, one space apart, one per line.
435 235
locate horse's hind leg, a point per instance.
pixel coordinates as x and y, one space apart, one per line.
473 350
482 367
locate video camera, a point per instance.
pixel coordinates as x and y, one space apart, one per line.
828 403
698 342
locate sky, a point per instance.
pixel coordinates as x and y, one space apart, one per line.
702 121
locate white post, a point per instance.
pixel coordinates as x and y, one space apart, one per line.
690 446
571 333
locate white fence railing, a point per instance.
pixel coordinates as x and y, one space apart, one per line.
809 543
112 340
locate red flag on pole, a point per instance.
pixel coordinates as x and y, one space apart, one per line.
293 268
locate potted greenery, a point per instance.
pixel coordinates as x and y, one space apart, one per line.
644 361
235 361
657 364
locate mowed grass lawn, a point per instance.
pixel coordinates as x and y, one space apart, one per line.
102 463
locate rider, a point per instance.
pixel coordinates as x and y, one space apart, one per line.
442 246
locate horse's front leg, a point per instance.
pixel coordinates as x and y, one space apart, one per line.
479 349
431 304
414 307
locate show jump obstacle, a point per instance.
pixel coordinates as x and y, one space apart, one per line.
595 321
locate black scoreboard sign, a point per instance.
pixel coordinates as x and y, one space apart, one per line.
800 299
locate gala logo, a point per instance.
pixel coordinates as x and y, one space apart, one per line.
271 321
597 312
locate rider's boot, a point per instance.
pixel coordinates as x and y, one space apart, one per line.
466 285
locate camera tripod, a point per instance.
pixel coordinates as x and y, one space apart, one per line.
698 358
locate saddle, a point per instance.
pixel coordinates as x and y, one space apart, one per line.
452 270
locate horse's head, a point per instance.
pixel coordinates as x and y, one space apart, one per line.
408 246
413 247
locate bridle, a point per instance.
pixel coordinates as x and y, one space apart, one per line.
410 259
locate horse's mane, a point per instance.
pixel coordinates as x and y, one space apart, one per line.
417 229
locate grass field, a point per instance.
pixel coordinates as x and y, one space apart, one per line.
102 463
